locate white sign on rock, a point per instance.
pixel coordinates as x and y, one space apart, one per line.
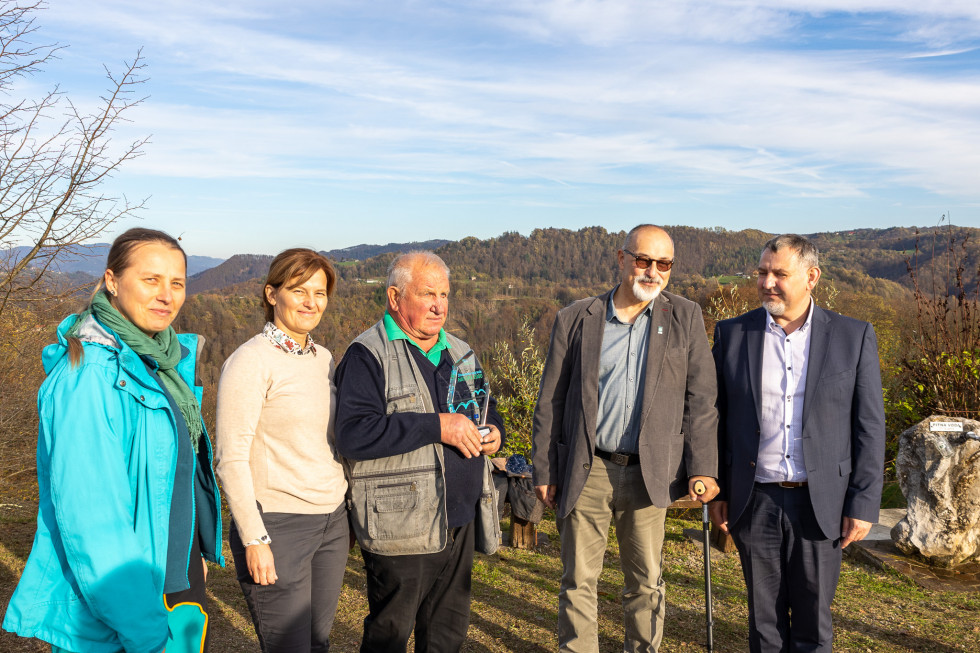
946 427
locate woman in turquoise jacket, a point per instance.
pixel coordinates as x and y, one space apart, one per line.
128 502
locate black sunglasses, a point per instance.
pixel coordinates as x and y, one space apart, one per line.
643 262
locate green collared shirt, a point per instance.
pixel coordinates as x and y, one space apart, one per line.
394 332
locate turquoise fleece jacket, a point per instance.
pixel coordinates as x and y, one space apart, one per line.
106 456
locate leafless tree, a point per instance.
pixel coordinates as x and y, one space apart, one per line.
54 160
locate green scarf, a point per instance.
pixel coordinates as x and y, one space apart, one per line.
164 348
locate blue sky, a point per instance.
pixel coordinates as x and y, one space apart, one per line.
331 123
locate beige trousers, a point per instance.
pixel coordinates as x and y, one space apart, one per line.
612 492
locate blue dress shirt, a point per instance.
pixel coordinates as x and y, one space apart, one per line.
622 371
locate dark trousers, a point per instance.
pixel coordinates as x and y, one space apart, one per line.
296 613
791 571
197 592
429 593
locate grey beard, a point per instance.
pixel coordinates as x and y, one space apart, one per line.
775 307
644 292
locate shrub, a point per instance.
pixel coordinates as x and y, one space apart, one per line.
940 372
514 375
26 330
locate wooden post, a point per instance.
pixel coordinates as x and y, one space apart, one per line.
687 504
523 534
721 540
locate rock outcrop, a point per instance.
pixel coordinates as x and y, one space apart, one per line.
939 472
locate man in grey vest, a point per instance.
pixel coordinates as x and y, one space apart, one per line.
625 424
420 495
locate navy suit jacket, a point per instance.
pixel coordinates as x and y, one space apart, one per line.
843 415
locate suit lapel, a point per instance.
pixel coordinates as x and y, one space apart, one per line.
754 333
821 329
591 348
657 340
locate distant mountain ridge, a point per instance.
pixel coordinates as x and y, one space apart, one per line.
362 252
207 272
90 260
245 267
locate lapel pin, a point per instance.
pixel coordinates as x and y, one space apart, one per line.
660 330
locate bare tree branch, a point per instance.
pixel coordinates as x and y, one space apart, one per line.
52 170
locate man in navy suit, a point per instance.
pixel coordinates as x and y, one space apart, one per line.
802 440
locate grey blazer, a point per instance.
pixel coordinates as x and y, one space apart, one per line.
678 427
843 415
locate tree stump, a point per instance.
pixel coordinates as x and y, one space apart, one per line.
523 534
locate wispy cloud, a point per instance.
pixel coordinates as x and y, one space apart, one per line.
649 102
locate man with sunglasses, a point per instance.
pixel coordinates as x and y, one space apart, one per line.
624 425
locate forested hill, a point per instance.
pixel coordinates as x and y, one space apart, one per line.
869 260
858 259
580 258
362 252
885 253
240 267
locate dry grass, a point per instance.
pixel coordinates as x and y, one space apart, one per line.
515 601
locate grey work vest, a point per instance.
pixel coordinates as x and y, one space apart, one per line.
398 503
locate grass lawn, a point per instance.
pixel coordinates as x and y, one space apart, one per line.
726 279
515 601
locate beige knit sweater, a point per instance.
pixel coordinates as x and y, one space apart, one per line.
275 440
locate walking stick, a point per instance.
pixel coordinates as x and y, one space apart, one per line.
699 489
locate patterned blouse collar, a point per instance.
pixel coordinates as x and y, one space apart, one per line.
283 341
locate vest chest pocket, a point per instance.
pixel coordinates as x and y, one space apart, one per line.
404 400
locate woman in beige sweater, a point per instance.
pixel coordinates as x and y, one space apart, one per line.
275 456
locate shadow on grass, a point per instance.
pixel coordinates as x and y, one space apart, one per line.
511 641
687 628
685 625
896 638
226 635
345 638
545 579
224 587
721 589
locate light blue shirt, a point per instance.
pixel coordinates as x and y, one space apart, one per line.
622 371
784 366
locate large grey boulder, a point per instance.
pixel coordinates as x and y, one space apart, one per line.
939 472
